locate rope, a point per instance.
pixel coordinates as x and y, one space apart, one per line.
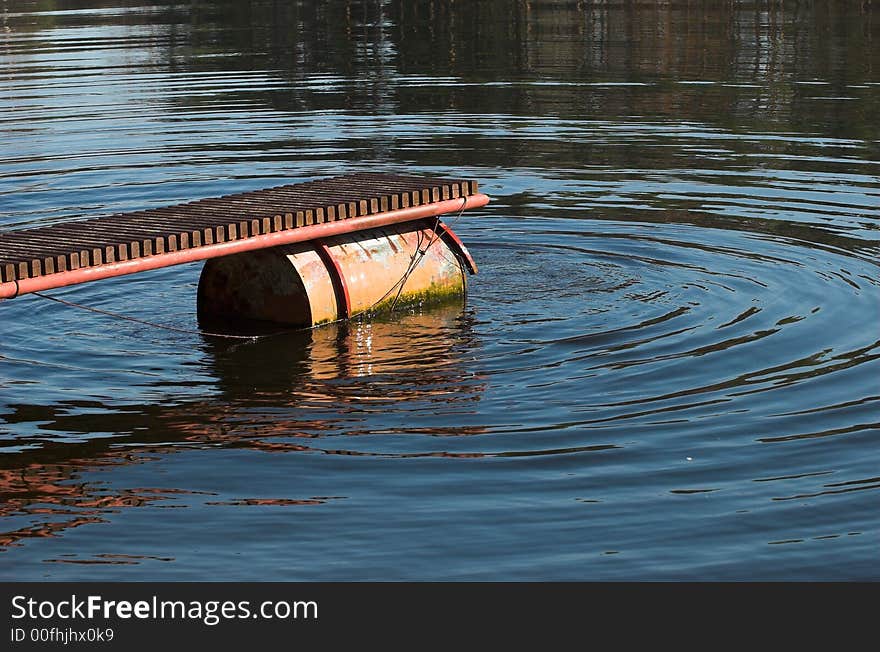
149 323
414 262
417 257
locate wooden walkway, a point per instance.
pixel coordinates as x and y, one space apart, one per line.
42 251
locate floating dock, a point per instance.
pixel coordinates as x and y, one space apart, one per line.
302 254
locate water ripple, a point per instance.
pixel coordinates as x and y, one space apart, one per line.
665 368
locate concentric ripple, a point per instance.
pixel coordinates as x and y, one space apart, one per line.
665 368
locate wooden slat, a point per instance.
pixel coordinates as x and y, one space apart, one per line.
122 236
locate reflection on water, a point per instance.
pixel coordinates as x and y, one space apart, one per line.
270 390
666 367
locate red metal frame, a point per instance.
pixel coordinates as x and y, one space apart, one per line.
340 287
290 236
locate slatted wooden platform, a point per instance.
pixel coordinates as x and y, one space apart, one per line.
31 253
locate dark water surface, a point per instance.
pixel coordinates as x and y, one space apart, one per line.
667 367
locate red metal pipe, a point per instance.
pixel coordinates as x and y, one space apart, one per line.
300 234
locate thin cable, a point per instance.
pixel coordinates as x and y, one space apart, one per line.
149 323
414 261
416 258
435 235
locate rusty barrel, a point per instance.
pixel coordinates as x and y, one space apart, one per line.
328 279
